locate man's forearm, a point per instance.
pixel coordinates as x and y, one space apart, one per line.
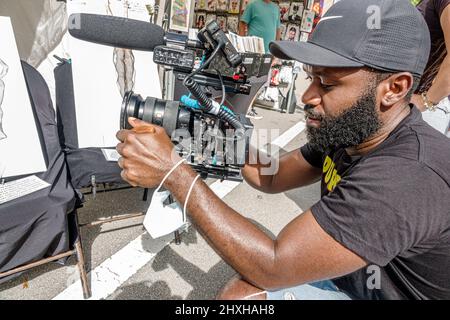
278 37
252 175
240 243
441 85
252 171
242 29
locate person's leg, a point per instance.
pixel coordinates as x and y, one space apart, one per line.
238 289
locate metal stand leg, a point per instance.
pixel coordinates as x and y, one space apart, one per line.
177 237
145 195
82 269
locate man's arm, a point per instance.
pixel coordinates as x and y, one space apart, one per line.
243 28
441 85
245 20
278 37
302 252
293 172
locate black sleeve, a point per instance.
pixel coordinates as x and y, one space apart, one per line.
313 157
385 207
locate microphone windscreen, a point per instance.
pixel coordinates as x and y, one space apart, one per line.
116 31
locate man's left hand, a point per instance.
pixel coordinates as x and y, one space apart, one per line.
147 154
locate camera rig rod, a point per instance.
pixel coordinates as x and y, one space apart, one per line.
209 105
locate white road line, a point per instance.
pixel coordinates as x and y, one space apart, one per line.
106 278
289 135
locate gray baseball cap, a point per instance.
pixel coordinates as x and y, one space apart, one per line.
388 35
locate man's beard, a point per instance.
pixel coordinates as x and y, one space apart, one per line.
349 129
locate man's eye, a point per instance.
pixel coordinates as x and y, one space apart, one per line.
308 78
327 87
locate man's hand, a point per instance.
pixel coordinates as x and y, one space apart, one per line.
147 154
243 28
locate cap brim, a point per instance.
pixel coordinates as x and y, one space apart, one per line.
310 53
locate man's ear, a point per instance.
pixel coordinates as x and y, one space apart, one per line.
395 88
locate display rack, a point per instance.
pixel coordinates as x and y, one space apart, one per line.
298 20
226 12
279 95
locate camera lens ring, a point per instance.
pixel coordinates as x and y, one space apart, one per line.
130 108
124 110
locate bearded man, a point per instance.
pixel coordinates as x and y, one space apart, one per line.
382 227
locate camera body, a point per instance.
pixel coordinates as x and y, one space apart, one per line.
210 145
213 139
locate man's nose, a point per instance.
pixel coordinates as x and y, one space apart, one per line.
311 96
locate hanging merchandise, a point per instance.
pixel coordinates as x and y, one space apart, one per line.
180 14
286 74
307 21
298 20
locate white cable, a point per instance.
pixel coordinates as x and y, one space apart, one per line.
254 295
170 172
187 197
190 188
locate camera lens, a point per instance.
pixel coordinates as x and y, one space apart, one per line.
163 113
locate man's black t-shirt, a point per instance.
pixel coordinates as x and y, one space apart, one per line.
392 208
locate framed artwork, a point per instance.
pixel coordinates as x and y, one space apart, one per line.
222 21
233 24
98 95
284 10
210 17
20 146
222 5
211 5
200 20
180 14
296 12
234 6
283 28
318 12
201 5
307 21
292 32
304 36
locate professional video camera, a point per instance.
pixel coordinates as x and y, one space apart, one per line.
212 137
